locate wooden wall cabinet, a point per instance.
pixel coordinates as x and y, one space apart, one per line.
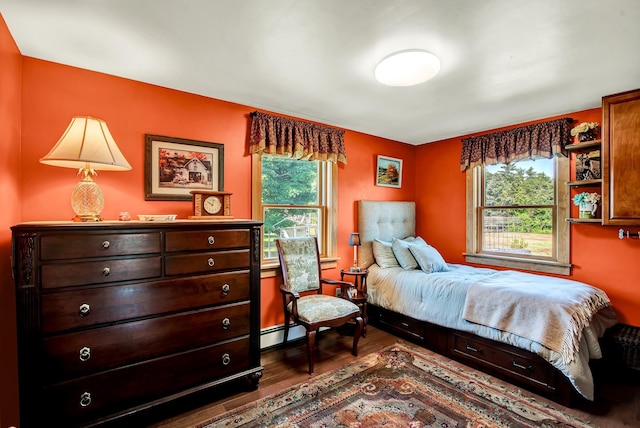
117 317
621 159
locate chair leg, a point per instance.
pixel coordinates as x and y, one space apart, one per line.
287 321
311 340
356 334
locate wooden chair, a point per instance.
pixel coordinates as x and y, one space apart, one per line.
301 273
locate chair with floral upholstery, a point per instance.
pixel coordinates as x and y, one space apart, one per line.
302 295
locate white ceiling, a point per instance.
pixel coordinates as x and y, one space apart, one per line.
503 61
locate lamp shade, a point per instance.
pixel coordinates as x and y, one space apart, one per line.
354 240
87 140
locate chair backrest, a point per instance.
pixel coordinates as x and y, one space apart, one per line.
300 263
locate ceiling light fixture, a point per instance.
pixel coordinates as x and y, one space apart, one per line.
407 68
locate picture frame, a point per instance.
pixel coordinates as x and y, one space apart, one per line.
389 172
173 167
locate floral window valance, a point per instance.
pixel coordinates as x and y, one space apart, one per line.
277 135
540 139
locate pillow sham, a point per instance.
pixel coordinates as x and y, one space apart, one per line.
401 250
383 254
428 258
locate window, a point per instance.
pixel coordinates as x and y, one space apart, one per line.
516 215
294 198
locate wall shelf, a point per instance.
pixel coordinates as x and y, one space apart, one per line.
585 220
579 183
582 146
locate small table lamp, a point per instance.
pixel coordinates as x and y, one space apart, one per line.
87 145
354 241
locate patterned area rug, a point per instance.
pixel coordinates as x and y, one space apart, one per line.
401 386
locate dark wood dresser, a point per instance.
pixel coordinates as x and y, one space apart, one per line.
117 317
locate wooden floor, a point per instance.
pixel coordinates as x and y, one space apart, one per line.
617 403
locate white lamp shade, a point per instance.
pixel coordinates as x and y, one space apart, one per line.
407 68
87 140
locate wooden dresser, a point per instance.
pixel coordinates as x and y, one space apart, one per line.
116 317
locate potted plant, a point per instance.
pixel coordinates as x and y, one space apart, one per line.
588 203
586 131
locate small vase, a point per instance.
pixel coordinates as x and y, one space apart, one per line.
588 210
588 135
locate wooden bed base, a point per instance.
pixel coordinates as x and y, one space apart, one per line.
515 365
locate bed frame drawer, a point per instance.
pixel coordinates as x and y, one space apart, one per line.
488 354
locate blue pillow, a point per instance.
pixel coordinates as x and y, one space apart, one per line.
428 258
403 254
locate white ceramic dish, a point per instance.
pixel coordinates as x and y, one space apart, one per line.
157 217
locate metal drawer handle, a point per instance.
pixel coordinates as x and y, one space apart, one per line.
404 324
106 271
105 244
84 309
521 367
226 323
226 359
85 399
472 349
210 262
85 353
211 240
225 289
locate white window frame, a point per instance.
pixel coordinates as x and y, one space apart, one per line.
328 189
560 264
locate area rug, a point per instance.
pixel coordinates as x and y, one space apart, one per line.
401 386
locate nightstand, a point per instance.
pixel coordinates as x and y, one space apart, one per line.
360 288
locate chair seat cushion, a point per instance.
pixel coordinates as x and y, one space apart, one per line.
320 307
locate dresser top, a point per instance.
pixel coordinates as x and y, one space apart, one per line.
135 224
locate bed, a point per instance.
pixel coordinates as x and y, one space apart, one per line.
453 311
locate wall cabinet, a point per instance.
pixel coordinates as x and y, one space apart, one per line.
116 317
587 176
621 159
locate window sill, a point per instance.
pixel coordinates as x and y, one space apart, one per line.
515 263
270 270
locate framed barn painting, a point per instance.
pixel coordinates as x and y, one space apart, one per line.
389 172
174 167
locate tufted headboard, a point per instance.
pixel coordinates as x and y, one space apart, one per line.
383 220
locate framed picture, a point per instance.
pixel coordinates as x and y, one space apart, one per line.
389 172
173 167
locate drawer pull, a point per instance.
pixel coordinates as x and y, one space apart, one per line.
226 359
211 240
105 244
226 323
84 309
210 262
472 349
85 399
106 271
85 353
404 324
521 367
225 289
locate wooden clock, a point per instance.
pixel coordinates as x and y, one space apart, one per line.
208 205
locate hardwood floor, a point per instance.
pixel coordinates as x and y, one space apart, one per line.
617 403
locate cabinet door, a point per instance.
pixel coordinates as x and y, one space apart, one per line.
621 157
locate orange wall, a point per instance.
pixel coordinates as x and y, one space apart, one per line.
598 256
10 84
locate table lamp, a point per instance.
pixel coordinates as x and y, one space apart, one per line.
87 145
354 241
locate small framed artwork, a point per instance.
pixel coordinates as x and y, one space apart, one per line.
173 167
389 172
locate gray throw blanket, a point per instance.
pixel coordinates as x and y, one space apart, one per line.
548 310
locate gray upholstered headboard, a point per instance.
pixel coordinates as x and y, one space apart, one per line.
383 220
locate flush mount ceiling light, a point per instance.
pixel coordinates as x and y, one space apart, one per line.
407 68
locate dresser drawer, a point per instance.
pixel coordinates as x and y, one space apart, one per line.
75 246
184 264
100 271
62 310
92 396
81 353
526 366
206 240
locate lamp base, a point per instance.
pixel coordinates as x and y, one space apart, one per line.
86 218
355 269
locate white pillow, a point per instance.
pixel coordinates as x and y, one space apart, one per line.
428 258
383 254
403 254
